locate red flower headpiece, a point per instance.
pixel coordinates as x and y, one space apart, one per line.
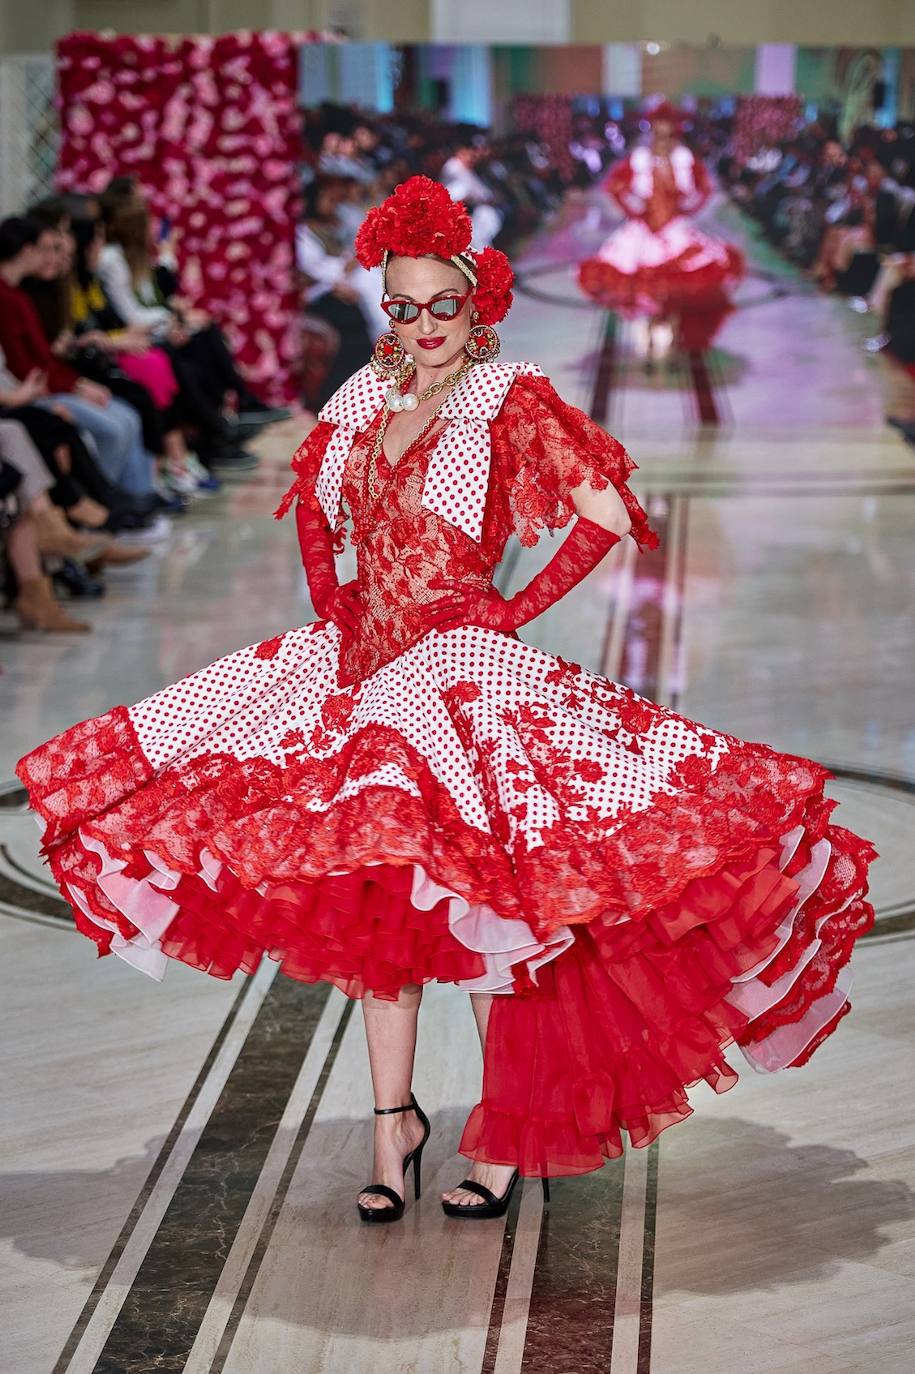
420 218
667 112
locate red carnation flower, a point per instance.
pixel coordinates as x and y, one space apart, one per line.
493 295
419 217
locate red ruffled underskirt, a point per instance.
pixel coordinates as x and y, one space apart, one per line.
356 930
616 1028
631 1016
665 287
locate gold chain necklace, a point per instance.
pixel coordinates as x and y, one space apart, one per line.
453 378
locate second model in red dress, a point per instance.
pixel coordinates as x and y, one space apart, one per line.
658 264
642 889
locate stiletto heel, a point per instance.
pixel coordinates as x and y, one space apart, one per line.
417 1168
546 1189
414 1157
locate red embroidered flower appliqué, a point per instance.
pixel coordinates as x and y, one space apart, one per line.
269 648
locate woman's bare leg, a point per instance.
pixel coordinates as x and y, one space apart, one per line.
495 1177
22 551
390 1030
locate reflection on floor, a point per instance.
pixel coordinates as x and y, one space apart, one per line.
180 1162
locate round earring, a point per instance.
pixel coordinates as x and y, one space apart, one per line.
482 344
388 355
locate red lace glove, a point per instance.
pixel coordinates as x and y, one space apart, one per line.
580 551
331 601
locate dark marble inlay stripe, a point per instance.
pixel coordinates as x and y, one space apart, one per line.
645 627
158 1321
703 391
606 374
263 1240
42 884
646 1296
573 1296
28 898
152 1179
501 1286
724 488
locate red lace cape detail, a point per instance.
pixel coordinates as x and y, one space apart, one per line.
541 447
553 447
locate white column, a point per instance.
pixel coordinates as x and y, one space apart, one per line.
775 69
622 69
366 75
512 21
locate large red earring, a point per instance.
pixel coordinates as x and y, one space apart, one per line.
482 343
388 355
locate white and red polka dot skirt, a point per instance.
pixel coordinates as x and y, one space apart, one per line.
479 812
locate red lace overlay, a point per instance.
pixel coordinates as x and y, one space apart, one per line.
542 449
306 463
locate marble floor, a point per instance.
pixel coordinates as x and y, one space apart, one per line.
180 1160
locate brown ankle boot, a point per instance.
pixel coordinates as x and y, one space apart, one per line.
56 537
38 610
116 554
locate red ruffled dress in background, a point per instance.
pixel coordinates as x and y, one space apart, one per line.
640 889
657 263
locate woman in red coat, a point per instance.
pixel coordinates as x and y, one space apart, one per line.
403 790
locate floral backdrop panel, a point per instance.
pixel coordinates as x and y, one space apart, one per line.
210 129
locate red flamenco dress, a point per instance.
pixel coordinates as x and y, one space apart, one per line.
657 263
640 889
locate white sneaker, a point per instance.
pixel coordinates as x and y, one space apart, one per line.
155 533
182 483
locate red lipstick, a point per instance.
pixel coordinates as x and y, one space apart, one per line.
432 343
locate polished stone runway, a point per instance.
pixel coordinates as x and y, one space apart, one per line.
180 1160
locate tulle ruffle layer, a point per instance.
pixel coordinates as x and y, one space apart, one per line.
375 929
632 1016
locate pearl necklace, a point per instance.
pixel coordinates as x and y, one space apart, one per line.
395 401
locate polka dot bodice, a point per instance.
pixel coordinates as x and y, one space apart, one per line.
501 459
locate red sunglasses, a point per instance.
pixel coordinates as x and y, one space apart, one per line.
405 312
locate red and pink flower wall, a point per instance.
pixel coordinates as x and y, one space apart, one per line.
209 127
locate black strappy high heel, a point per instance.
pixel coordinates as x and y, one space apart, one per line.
395 1211
491 1205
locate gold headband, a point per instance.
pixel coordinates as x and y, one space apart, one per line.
456 258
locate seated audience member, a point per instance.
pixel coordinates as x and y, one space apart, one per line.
893 303
203 364
81 488
32 595
337 288
118 359
113 425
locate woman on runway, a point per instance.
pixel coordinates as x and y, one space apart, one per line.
403 790
657 267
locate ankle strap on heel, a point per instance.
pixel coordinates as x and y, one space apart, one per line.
390 1111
